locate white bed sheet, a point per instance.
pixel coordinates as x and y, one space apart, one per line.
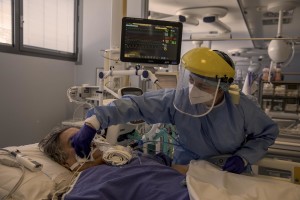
206 182
36 185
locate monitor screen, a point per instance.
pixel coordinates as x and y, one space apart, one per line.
150 41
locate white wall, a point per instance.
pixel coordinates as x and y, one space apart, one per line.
33 97
96 37
97 17
33 90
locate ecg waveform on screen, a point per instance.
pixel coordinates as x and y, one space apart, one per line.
147 41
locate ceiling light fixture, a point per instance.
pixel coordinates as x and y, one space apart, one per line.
208 15
280 51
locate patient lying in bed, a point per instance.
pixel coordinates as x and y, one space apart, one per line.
144 177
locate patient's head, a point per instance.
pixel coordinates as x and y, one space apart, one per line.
57 145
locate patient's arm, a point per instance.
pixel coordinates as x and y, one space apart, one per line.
181 168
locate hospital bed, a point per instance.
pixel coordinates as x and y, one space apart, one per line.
204 180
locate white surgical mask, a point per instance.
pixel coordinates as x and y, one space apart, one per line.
198 96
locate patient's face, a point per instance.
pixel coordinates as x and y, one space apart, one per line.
65 142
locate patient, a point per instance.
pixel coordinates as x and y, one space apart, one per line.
57 146
144 177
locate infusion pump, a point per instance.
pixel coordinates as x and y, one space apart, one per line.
90 94
83 94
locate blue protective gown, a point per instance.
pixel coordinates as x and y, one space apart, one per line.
241 129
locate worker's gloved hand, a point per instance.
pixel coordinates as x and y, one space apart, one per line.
234 164
81 141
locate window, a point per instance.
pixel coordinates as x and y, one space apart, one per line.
45 28
5 22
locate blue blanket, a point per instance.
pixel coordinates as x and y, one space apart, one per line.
143 178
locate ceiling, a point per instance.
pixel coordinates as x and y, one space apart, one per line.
246 19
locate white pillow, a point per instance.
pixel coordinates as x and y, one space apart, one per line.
35 185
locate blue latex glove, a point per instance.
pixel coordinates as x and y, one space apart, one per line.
81 141
234 164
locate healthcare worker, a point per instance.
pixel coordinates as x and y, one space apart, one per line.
210 119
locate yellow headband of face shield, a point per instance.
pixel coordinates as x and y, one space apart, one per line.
205 62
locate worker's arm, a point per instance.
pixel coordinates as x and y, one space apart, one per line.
261 131
152 107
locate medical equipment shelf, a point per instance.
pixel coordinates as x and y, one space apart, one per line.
288 143
280 96
281 101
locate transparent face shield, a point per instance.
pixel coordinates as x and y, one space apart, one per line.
195 96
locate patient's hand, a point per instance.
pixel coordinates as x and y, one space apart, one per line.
181 168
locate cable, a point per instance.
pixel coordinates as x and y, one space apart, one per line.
75 111
117 155
11 163
116 60
139 144
81 103
161 142
179 144
157 83
5 150
72 179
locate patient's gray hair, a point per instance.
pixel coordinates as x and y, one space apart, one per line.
50 145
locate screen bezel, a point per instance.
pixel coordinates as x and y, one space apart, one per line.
126 20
